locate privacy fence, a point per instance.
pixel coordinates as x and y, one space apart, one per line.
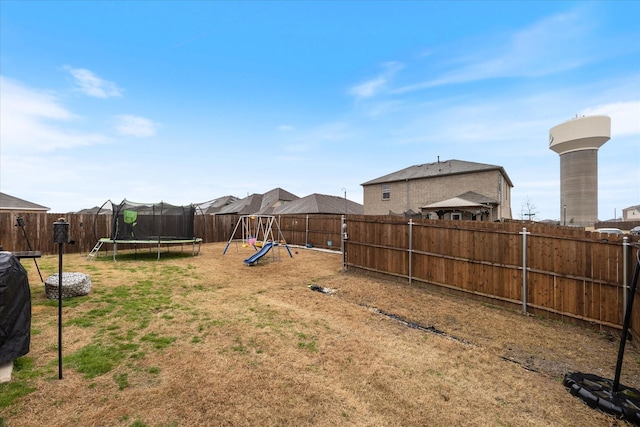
556 272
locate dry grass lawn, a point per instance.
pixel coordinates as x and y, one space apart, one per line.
208 341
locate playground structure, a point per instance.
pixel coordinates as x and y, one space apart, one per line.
149 224
257 231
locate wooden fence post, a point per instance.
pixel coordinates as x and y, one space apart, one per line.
524 233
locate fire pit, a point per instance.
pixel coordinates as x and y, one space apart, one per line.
73 285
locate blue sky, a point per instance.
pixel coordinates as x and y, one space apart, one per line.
188 101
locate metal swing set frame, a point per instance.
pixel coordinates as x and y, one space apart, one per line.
257 231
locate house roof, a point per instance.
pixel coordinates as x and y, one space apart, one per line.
104 210
320 204
213 206
271 199
13 203
257 204
436 169
247 206
469 199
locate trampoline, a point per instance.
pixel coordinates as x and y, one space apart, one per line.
153 224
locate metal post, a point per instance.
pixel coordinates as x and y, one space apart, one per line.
625 273
410 249
343 236
625 326
60 236
345 200
524 269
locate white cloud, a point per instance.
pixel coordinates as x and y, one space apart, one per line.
140 127
92 85
35 120
625 117
538 50
374 86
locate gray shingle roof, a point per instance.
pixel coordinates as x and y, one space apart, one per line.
465 200
440 168
320 204
8 202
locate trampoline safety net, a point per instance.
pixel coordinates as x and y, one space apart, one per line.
152 221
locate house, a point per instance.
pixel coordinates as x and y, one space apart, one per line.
13 204
320 204
258 204
632 213
450 189
213 206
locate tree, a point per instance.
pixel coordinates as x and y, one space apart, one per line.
528 210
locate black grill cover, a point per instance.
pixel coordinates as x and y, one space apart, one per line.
15 309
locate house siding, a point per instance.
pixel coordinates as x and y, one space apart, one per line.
414 193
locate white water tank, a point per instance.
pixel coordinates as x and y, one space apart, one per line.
577 142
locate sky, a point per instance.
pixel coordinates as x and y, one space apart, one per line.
188 101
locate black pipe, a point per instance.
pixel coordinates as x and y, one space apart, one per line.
60 311
625 326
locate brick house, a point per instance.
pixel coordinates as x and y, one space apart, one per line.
450 189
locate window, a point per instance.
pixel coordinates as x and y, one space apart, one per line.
456 216
386 192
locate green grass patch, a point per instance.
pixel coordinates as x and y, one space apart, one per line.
158 341
94 360
122 380
23 371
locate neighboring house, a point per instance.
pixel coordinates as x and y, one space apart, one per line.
101 210
450 189
320 204
258 204
213 206
632 213
13 204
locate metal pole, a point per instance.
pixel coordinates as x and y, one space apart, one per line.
625 326
60 311
625 273
343 232
524 269
306 232
60 236
410 249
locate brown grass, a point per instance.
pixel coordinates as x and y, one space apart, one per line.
255 346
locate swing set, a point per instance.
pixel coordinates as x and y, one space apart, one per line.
257 231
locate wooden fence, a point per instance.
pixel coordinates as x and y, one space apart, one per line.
569 274
321 231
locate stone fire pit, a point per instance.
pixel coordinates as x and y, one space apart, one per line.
73 285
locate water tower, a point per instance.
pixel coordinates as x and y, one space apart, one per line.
577 142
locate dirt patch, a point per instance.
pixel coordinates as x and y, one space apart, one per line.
258 346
